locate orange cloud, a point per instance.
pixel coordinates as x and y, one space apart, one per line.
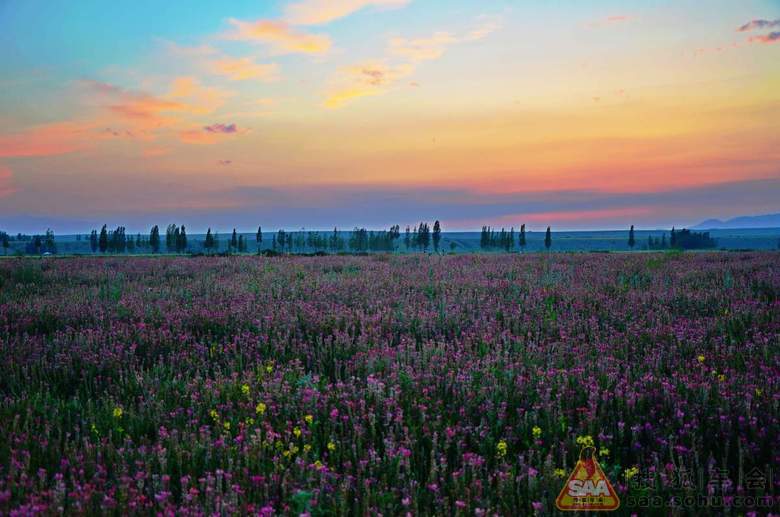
365 80
374 78
197 99
280 36
315 12
243 69
6 188
48 139
137 108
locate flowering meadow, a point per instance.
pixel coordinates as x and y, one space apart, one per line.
386 384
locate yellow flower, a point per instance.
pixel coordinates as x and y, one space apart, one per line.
331 446
501 449
759 391
118 412
269 368
700 358
94 429
721 377
318 465
294 449
537 432
245 389
226 425
250 421
559 473
306 448
297 431
213 414
631 472
309 419
585 441
260 408
603 451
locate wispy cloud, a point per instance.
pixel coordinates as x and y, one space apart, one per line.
243 69
759 24
210 134
221 128
486 26
195 98
316 12
614 19
363 80
772 37
280 35
422 49
376 77
138 108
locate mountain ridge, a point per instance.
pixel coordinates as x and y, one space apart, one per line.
741 222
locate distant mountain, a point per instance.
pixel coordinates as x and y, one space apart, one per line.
745 221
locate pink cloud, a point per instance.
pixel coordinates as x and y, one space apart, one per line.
6 178
48 139
772 37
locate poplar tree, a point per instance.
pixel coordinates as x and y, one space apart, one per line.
103 240
548 239
436 236
631 241
521 238
154 239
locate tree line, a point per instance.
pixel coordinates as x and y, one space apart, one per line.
420 238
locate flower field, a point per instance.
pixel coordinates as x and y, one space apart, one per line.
452 385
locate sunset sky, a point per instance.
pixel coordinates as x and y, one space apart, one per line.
315 113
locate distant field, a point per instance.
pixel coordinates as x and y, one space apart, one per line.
453 385
468 242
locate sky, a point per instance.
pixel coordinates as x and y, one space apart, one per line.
321 113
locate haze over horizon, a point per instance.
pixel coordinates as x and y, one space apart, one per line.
315 113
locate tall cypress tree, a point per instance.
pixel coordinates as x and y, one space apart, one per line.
436 235
103 241
521 239
93 241
209 242
181 244
631 241
234 240
259 237
154 239
548 239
